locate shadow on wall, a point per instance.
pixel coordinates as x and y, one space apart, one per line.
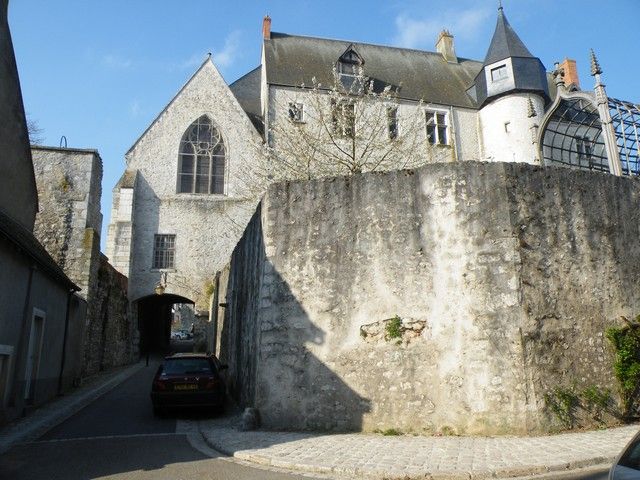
146 221
267 338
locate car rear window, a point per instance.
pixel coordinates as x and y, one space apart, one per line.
185 366
631 458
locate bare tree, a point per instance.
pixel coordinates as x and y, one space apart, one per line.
36 133
354 125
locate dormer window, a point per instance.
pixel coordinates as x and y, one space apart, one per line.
499 73
349 67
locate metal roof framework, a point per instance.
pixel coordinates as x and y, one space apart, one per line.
572 135
625 118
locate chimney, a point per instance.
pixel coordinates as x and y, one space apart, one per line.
266 27
445 47
570 72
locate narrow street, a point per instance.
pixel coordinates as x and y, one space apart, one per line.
117 437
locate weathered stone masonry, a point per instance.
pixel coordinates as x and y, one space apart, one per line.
505 277
68 225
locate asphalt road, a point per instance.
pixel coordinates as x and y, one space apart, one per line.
117 437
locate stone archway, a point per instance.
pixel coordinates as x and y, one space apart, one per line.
154 321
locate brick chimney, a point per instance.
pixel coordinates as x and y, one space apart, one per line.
266 27
570 72
445 47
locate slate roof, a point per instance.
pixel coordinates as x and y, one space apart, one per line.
247 91
25 241
293 60
505 42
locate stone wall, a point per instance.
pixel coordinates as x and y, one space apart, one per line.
110 333
69 221
451 298
68 225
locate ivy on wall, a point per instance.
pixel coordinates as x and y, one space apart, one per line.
626 343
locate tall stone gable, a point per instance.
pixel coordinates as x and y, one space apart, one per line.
146 202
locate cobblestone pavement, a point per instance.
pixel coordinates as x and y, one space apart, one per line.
377 456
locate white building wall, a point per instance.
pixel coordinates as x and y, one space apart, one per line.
462 131
120 230
507 129
207 227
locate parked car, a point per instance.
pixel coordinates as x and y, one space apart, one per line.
188 380
180 335
627 465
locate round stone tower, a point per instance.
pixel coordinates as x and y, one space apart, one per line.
511 90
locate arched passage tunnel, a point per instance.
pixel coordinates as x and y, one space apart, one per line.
154 321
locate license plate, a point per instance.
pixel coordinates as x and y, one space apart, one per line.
189 386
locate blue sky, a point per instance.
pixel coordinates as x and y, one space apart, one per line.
99 72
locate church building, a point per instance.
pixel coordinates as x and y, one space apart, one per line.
194 177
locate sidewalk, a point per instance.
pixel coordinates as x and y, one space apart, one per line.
377 456
58 410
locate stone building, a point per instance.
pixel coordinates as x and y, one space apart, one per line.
462 303
183 201
193 178
41 317
68 225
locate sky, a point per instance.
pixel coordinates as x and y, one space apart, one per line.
100 71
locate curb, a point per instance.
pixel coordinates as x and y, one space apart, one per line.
57 411
521 472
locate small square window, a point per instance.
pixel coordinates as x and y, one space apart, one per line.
296 112
164 251
499 73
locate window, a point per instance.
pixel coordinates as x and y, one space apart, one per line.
392 122
6 353
164 251
437 128
296 112
34 354
201 160
349 68
584 148
499 73
343 118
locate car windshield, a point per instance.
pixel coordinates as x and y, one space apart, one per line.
184 366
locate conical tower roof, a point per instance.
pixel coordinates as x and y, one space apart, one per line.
505 42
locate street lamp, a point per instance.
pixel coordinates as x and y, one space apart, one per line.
162 284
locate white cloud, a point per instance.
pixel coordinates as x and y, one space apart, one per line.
416 33
134 109
193 61
116 62
226 56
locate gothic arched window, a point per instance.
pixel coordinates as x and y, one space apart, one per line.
201 159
